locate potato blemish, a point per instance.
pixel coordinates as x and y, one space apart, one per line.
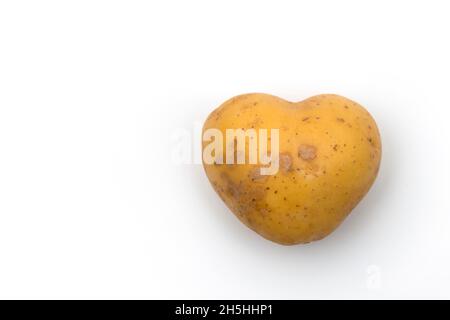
307 152
285 162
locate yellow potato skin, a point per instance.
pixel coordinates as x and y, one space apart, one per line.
330 152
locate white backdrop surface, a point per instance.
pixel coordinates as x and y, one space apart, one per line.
91 92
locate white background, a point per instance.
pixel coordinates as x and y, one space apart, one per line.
92 206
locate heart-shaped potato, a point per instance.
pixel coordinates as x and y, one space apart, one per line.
324 160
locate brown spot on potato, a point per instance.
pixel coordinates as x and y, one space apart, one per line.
233 189
256 176
340 119
285 162
264 211
246 199
307 152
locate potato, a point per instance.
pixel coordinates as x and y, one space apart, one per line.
328 157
